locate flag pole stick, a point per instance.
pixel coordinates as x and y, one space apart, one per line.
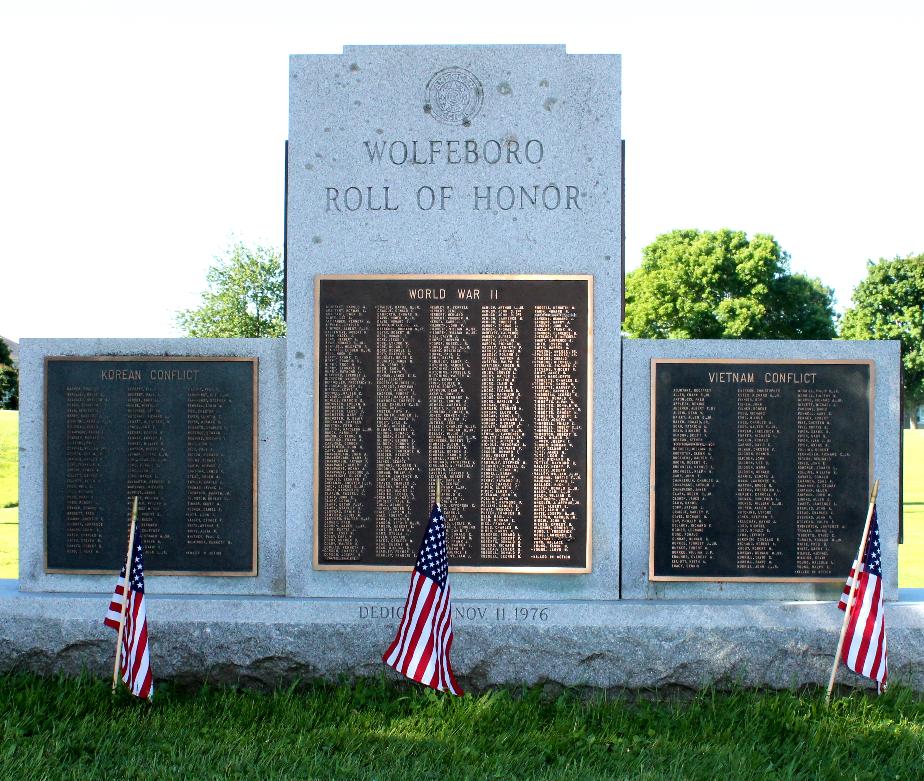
128 570
437 490
853 589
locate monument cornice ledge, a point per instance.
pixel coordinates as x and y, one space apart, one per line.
299 610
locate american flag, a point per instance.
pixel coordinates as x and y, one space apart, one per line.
134 662
865 650
421 647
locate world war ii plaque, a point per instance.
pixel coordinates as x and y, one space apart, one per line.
481 381
178 433
760 469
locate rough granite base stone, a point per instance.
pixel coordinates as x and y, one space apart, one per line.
264 641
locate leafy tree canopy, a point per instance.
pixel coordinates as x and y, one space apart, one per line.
9 387
721 285
9 379
889 304
245 296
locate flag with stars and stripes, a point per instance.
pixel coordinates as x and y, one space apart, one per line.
421 647
134 662
865 650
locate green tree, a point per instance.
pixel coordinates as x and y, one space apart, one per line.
721 285
9 379
244 297
889 304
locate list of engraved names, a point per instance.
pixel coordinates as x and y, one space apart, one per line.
761 470
480 382
176 434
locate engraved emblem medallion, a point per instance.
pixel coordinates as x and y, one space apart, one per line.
454 96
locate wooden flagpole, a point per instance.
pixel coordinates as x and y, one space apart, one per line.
437 491
128 571
853 589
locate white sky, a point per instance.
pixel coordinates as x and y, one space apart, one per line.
137 138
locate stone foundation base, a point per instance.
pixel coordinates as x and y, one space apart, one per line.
632 644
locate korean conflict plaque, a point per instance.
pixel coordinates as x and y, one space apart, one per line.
180 433
482 381
760 470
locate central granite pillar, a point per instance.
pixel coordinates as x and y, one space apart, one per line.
454 292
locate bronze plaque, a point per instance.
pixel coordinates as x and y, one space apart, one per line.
178 432
481 381
760 469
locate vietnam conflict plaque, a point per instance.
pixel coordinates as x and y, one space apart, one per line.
482 381
760 470
179 433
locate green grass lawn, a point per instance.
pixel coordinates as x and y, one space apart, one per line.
376 730
9 543
9 457
911 553
9 494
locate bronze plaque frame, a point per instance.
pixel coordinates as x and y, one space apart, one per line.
655 362
255 372
588 278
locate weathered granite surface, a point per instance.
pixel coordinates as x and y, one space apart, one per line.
271 502
627 645
636 443
345 113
